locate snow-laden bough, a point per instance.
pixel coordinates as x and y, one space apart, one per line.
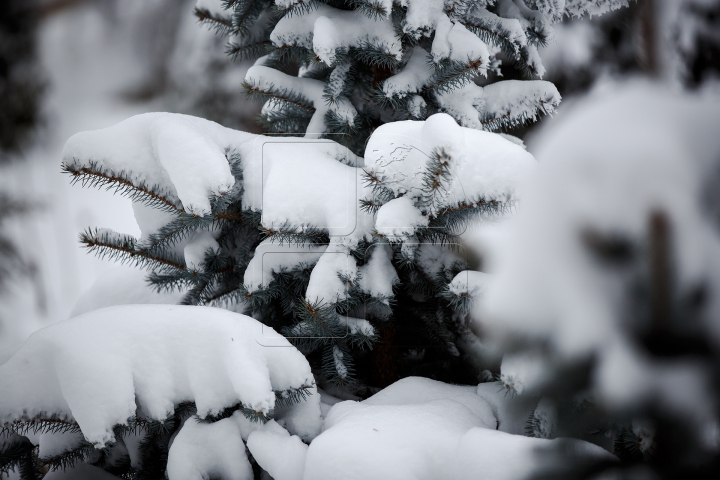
116 365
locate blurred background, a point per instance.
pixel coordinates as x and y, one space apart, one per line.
73 65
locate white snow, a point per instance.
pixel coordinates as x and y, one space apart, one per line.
280 454
339 362
303 188
303 419
207 450
419 390
416 106
511 28
553 8
299 184
530 19
520 99
179 154
378 276
150 219
412 78
358 325
195 250
266 79
325 280
160 355
419 429
470 283
422 16
492 168
523 371
396 442
326 30
453 41
399 218
337 80
464 104
579 8
274 258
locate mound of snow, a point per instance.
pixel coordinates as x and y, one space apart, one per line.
422 429
407 431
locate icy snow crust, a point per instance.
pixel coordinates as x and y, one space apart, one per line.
101 367
302 183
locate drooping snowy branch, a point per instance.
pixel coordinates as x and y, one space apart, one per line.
159 356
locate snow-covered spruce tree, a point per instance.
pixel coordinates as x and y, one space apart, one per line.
347 66
348 52
334 250
374 240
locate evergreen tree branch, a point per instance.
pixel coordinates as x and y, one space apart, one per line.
248 51
123 248
450 75
39 426
369 8
287 233
490 29
94 175
222 25
284 96
299 8
68 458
511 119
245 14
19 452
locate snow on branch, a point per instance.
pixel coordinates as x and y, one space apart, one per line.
512 102
113 366
280 89
580 8
162 150
327 31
